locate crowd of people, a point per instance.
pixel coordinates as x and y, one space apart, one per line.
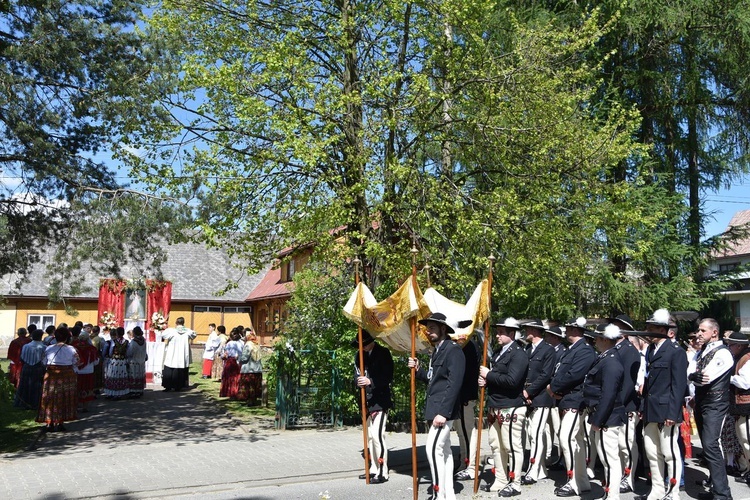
60 374
58 371
609 393
235 361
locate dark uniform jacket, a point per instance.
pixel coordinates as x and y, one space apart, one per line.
444 387
630 359
506 378
379 369
570 373
541 367
665 384
469 387
602 391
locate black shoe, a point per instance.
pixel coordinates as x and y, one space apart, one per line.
165 390
641 497
527 480
362 476
508 491
61 428
625 487
487 487
566 491
706 495
378 480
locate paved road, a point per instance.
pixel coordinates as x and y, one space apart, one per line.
177 445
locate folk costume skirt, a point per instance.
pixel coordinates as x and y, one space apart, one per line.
137 374
14 373
116 379
86 387
218 368
250 387
230 379
29 391
59 395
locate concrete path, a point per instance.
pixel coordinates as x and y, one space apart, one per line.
177 445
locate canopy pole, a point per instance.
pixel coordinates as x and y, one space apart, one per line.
362 393
413 325
487 332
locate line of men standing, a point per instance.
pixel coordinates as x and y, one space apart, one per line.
594 399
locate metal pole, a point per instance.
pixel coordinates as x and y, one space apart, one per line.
487 332
362 393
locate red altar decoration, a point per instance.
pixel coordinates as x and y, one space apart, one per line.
159 299
111 301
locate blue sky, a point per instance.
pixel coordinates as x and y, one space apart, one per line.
724 204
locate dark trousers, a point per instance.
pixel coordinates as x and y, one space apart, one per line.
709 417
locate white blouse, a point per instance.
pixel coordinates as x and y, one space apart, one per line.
61 355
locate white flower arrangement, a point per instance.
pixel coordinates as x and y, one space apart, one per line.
108 319
158 322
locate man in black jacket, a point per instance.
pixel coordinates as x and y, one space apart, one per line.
442 404
603 406
567 387
630 358
506 408
466 425
376 378
664 389
554 337
541 366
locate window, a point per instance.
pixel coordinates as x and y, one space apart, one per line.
42 321
724 268
287 270
202 309
734 305
237 310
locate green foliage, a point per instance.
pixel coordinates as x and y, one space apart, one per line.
72 79
317 341
17 427
466 128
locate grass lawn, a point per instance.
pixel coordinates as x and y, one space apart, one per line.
238 409
17 427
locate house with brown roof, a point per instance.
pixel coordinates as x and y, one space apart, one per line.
198 274
268 300
734 261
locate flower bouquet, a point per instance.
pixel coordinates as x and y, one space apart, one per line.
158 322
108 319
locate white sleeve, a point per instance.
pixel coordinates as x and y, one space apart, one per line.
721 363
742 379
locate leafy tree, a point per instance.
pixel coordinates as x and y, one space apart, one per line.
70 82
454 126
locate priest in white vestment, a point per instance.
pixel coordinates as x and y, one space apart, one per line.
177 355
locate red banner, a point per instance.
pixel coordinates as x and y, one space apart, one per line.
111 302
159 299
